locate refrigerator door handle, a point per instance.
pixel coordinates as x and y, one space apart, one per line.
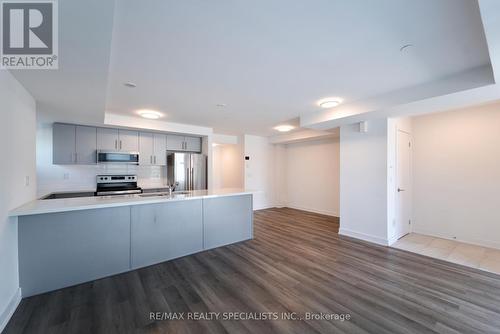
188 181
192 178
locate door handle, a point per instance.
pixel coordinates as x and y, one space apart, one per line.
192 178
400 190
116 144
151 159
155 159
188 179
120 144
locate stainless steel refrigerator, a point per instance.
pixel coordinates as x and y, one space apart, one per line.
188 171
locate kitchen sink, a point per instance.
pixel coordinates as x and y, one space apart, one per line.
154 195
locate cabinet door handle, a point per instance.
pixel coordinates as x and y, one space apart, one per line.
155 159
120 144
151 159
76 158
116 144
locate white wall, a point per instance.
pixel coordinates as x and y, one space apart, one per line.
52 178
17 134
363 181
312 176
260 170
228 166
456 174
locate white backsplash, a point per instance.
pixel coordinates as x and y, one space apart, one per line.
56 178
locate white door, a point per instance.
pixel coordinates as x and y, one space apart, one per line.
403 183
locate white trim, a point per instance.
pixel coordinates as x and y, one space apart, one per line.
264 207
10 309
394 239
477 242
363 236
321 212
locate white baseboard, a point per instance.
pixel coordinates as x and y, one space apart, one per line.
472 241
321 212
363 236
10 309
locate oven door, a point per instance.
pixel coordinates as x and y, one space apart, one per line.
113 157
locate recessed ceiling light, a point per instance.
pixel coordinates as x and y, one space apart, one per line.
284 128
149 114
329 102
130 84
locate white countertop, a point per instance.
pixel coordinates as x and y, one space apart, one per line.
85 203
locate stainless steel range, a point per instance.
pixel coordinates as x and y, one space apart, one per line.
117 185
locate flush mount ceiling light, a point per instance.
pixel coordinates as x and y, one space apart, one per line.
149 114
284 128
129 84
329 102
221 105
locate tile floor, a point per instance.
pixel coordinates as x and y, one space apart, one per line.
483 258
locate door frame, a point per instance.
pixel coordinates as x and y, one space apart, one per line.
396 180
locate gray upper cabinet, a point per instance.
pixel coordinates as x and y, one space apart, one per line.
128 140
73 144
160 149
117 140
175 143
152 149
146 147
86 145
193 144
183 143
63 144
107 139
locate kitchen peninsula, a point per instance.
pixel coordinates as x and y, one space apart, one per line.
63 242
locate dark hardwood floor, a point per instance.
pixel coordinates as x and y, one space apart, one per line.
296 263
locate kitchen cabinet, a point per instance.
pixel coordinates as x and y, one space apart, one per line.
146 148
161 232
152 149
73 144
183 143
175 143
86 145
160 149
63 144
193 144
227 220
117 140
128 140
62 249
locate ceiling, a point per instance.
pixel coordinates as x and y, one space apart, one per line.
266 61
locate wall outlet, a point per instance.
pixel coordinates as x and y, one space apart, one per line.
66 176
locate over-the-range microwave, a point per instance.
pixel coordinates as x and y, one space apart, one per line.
117 157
